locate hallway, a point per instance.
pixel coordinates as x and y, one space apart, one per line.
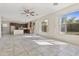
33 45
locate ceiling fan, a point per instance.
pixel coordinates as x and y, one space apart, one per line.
28 12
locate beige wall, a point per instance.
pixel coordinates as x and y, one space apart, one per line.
54 25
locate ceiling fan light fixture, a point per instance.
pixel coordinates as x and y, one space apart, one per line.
28 12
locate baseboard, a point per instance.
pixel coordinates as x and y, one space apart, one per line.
58 40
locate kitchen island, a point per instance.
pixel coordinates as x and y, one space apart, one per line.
17 32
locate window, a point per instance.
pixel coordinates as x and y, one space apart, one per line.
70 22
45 26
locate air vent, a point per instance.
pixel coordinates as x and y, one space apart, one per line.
55 4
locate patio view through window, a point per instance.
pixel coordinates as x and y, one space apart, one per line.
70 22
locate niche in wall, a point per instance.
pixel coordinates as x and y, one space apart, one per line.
45 25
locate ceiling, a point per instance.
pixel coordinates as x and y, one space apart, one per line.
12 11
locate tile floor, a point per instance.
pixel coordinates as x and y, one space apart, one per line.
33 45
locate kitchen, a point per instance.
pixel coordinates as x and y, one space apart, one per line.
17 28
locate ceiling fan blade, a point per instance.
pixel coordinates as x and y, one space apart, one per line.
23 13
32 12
36 14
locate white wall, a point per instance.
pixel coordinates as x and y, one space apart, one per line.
54 25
